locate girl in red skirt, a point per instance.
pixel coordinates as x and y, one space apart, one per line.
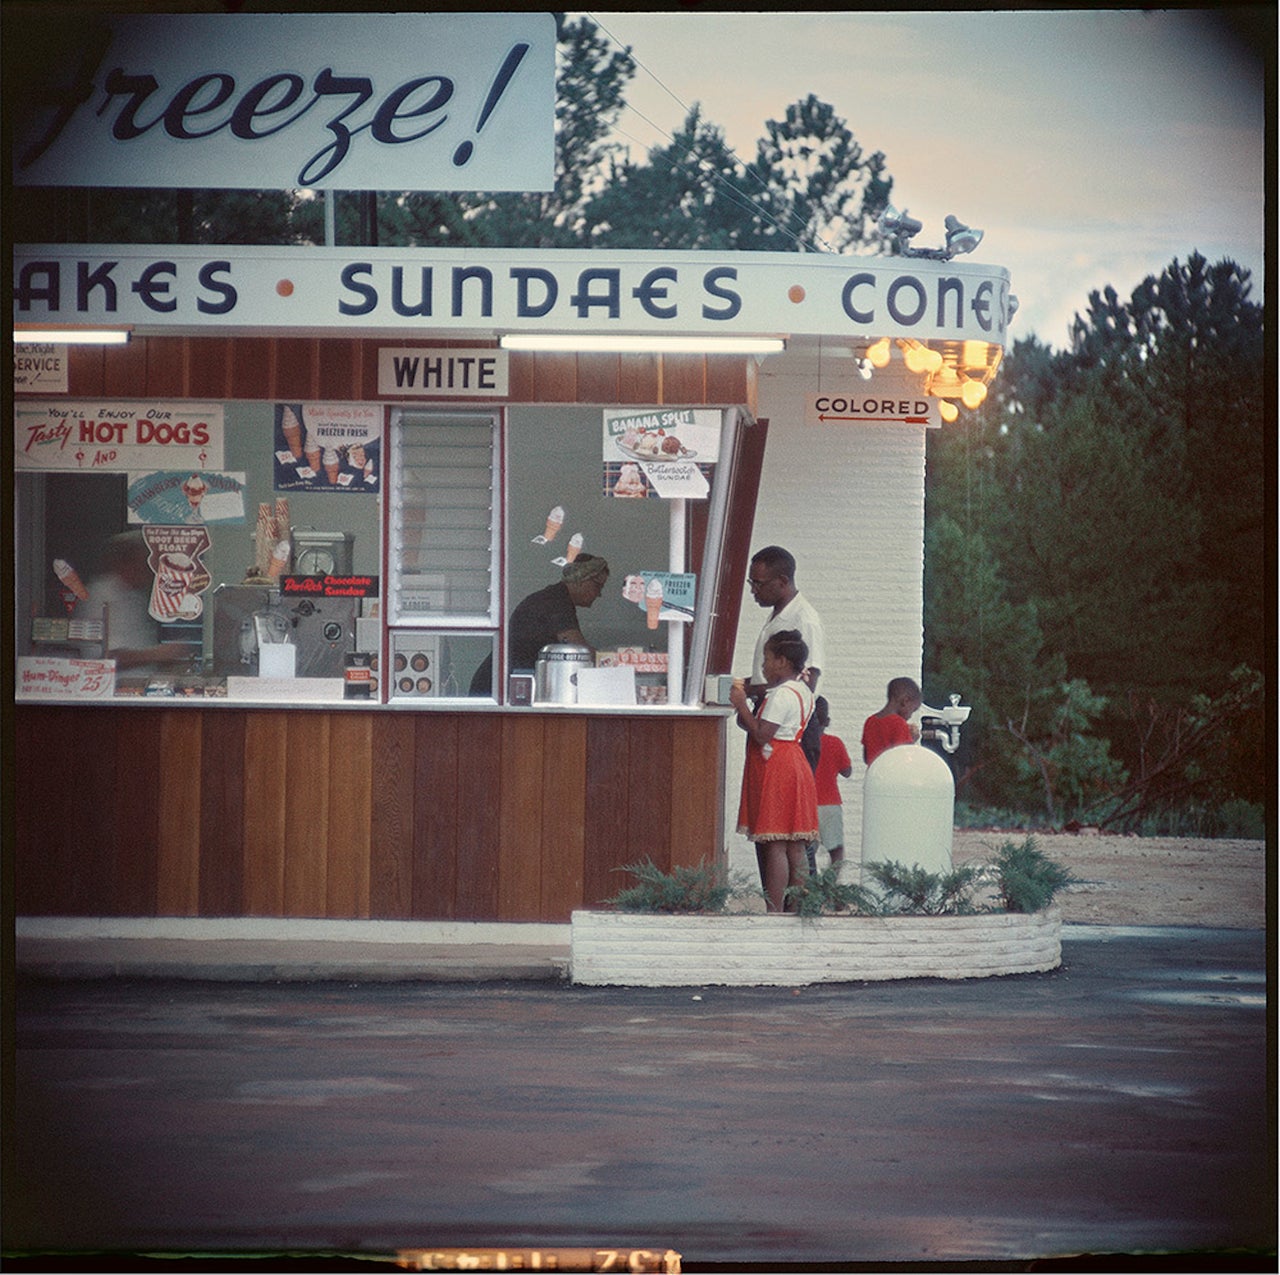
779 807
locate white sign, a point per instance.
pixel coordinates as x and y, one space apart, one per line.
113 436
443 373
357 291
43 677
891 405
347 101
39 368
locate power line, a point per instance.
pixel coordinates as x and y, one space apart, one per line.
751 203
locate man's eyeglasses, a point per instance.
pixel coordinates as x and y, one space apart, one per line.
753 583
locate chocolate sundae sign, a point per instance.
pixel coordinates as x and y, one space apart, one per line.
666 452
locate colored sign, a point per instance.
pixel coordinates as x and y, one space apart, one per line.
262 101
177 496
44 677
442 291
334 447
443 373
113 436
873 406
39 368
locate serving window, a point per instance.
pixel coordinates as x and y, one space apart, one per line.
329 551
177 549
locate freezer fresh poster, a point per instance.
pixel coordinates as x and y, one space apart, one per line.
328 447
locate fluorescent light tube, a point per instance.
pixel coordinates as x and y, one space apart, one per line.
71 336
632 344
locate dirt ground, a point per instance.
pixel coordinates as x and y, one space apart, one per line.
1146 880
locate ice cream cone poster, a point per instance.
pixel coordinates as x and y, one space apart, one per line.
333 447
572 550
667 452
174 556
186 495
73 587
555 520
661 595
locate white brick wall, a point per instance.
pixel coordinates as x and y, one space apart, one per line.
848 501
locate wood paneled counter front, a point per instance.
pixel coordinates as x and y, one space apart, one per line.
514 814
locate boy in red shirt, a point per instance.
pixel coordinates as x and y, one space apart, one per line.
833 760
889 726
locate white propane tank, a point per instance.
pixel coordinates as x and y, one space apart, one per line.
908 809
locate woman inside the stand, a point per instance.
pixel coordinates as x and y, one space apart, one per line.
548 615
779 806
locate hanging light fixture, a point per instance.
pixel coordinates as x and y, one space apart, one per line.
912 355
945 383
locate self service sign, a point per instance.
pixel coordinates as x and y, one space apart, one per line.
346 101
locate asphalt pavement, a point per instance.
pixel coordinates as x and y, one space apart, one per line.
1114 1113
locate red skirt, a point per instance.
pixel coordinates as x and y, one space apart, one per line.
779 800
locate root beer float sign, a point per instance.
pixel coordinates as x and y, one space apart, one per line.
498 290
375 101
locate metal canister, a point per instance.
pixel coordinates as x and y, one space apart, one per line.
555 673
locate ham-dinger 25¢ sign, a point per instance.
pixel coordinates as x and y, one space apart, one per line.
346 101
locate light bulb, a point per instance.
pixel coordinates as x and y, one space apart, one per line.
972 393
947 410
880 352
945 381
913 356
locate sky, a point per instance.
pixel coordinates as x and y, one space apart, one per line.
1092 148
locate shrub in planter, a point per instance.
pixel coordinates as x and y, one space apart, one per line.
824 892
1026 878
701 889
911 890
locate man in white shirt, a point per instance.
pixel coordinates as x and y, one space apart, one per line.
772 580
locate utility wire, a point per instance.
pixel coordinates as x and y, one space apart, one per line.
752 204
738 198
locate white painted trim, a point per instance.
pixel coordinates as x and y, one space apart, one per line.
291 929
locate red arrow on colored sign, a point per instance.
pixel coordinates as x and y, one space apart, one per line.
905 420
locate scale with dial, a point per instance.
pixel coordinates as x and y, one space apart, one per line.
322 553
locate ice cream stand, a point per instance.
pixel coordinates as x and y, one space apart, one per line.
344 467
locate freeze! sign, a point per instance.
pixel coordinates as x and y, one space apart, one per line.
347 101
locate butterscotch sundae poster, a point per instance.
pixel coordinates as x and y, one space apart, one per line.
332 447
665 453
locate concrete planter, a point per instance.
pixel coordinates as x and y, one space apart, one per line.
634 949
